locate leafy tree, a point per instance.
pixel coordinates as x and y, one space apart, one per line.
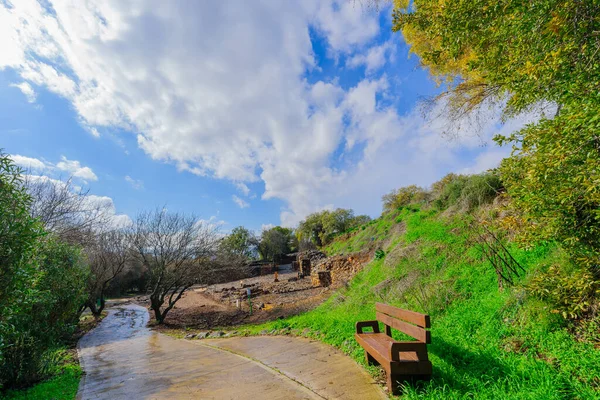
321 227
527 53
403 197
276 242
240 242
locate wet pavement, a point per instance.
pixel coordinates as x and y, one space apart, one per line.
123 359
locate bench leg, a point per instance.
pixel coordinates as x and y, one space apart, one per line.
370 360
392 384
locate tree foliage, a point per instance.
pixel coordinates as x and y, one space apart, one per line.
404 196
41 284
527 53
320 228
276 242
240 242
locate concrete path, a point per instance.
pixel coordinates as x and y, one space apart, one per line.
123 359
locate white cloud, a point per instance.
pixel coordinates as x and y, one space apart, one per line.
374 58
135 183
266 227
219 89
243 188
241 203
27 91
75 169
94 132
107 204
346 24
29 163
94 202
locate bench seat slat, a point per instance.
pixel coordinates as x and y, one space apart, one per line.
381 343
416 318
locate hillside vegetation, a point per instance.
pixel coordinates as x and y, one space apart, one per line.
486 342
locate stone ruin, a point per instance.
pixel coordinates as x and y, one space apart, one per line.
336 269
306 260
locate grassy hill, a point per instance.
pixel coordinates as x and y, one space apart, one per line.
486 343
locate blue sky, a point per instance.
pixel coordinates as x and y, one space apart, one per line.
241 113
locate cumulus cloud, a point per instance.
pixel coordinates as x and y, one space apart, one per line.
102 204
346 24
107 204
74 168
30 163
135 183
374 58
241 203
219 89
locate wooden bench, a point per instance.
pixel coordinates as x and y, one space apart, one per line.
402 360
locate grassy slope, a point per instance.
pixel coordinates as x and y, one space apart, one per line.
486 343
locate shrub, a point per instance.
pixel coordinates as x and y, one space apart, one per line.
466 191
41 285
404 196
571 292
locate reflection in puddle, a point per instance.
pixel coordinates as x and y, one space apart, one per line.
123 359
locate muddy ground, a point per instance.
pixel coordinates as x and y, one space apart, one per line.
215 306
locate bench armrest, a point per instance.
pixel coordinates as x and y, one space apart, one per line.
395 348
363 324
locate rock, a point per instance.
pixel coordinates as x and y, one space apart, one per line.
273 332
202 335
190 336
306 332
264 332
217 334
260 306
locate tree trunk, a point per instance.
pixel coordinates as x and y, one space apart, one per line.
91 304
155 305
102 305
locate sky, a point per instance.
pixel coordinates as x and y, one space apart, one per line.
243 113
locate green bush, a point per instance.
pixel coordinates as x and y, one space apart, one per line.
41 286
466 191
404 196
571 292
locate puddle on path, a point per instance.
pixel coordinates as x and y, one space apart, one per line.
125 360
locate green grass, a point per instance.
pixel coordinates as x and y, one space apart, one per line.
486 344
62 386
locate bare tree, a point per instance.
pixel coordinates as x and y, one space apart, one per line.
175 248
108 257
69 212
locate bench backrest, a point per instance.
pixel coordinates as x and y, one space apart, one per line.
412 323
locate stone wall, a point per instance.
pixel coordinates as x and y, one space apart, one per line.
341 268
